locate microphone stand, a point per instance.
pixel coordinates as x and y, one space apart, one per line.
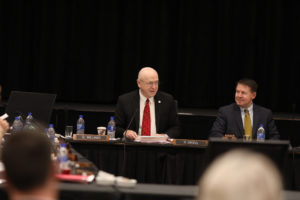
125 140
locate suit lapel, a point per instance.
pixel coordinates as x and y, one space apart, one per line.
157 104
255 121
238 117
137 114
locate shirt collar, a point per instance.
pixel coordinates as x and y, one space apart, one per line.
250 108
143 98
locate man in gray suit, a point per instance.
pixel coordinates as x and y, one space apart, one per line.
244 117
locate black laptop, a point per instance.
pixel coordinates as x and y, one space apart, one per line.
39 104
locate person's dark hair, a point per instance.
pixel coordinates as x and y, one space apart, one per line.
250 83
27 159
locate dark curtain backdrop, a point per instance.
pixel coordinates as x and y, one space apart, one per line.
90 51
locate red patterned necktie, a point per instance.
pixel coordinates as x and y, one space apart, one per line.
146 125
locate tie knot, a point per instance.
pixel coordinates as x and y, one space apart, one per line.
246 111
147 101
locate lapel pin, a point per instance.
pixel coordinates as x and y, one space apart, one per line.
159 101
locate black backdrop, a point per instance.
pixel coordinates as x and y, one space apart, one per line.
91 50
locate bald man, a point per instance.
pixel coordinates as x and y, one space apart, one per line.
150 111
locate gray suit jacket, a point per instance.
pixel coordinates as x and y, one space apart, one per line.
229 121
128 107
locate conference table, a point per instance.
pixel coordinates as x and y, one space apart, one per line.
140 191
122 158
162 163
148 163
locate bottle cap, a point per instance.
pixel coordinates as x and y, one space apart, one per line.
63 145
29 113
261 125
50 125
80 116
112 117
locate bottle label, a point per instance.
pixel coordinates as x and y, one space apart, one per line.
111 128
80 126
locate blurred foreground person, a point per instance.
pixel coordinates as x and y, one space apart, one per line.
241 174
4 126
29 170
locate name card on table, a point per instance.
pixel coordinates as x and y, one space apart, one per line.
202 143
90 137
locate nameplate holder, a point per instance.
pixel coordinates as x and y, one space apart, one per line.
185 142
90 137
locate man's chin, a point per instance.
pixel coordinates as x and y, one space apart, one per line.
152 94
239 104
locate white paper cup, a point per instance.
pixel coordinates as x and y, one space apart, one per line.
101 130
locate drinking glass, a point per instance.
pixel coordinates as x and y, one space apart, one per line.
69 131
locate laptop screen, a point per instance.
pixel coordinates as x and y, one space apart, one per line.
39 104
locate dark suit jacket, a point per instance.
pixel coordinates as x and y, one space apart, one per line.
229 121
128 107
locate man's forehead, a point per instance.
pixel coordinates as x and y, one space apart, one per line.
243 87
152 76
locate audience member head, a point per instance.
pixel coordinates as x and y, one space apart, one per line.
245 92
241 174
148 81
29 169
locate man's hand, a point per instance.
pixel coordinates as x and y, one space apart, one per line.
131 135
3 127
229 136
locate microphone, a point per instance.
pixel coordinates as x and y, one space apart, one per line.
124 143
130 122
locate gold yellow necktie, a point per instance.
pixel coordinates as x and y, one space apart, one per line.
247 124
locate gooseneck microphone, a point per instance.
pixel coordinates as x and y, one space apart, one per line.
130 122
124 141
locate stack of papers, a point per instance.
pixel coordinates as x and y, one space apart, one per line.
152 139
104 178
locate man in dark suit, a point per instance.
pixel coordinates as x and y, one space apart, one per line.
243 117
146 111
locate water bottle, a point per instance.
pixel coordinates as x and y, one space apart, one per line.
29 122
51 133
111 127
80 125
17 125
261 133
63 159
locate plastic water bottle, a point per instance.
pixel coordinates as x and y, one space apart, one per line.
261 133
17 125
51 133
29 122
80 125
111 127
63 159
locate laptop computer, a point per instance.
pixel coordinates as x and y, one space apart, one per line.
39 104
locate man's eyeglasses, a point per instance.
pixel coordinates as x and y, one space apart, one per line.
151 83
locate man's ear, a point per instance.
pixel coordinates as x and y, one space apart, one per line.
53 168
138 83
253 95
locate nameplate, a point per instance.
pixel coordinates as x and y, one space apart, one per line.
202 143
90 137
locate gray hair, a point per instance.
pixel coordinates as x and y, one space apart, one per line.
241 174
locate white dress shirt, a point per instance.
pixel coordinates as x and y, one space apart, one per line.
152 113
